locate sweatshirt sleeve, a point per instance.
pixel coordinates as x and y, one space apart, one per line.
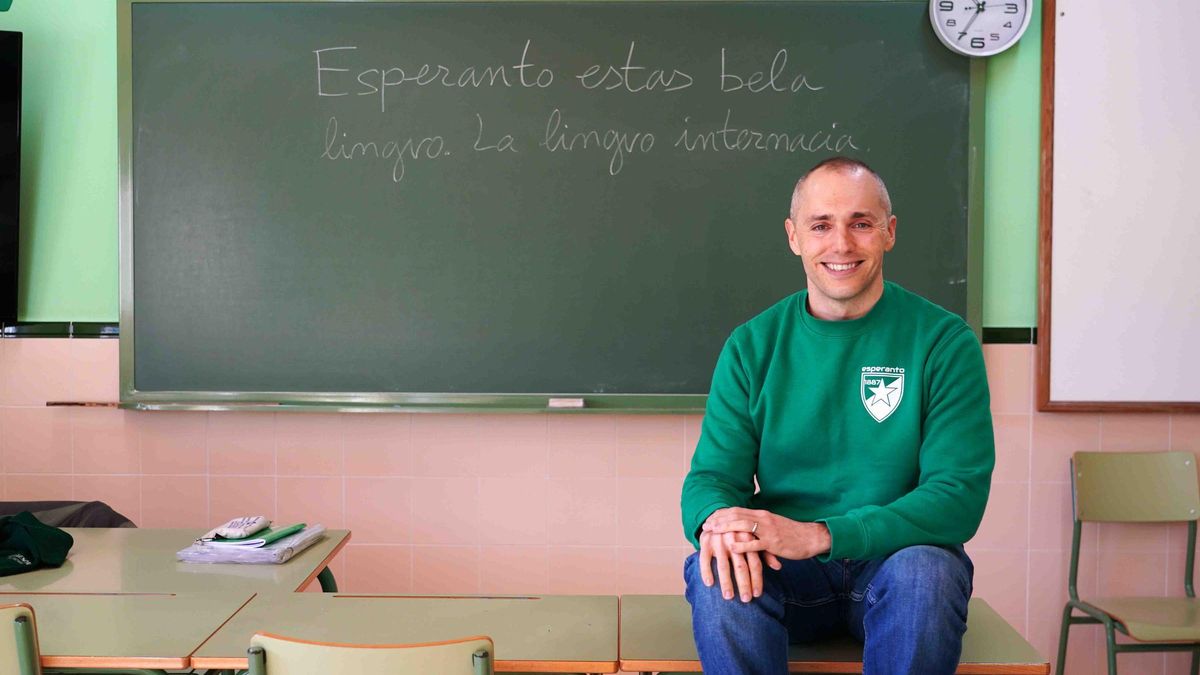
957 453
723 466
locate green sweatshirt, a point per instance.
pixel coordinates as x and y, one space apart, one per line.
878 427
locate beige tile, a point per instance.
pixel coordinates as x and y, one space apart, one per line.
96 369
1176 563
648 512
1010 377
1148 537
1185 432
582 446
175 501
1141 664
582 570
445 569
379 510
1057 436
516 570
650 446
1081 646
1052 519
1048 576
233 496
650 570
171 442
1000 579
241 443
1131 573
36 440
103 441
692 425
377 445
36 370
1139 432
122 493
1179 663
512 511
1006 520
582 511
445 446
308 444
38 487
445 510
377 569
311 500
1012 447
512 445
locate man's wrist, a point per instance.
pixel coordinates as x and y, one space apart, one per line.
824 539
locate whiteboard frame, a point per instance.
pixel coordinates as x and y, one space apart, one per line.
1045 247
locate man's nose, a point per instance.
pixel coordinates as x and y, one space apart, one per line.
842 240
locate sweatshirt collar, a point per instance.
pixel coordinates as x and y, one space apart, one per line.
849 327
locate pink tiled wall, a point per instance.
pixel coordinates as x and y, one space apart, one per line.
540 503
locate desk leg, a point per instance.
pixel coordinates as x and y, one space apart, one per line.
328 583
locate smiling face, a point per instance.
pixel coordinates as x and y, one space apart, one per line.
840 227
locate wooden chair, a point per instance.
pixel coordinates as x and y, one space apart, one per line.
280 655
18 641
1136 487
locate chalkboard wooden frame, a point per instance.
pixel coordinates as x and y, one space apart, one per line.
131 397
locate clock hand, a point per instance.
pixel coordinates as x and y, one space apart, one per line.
963 33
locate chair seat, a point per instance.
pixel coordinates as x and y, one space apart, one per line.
1155 619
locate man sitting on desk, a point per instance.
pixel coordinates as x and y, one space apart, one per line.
862 411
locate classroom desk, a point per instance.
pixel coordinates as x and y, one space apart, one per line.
136 560
115 630
576 634
656 635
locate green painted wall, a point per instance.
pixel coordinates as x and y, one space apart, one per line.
69 167
68 159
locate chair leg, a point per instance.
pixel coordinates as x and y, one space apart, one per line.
1196 662
1062 640
1111 639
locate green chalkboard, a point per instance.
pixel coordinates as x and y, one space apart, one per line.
461 203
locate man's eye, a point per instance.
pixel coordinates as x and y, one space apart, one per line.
863 226
820 227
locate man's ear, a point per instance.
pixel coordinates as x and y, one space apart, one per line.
891 233
793 236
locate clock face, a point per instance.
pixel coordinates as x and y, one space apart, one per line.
979 27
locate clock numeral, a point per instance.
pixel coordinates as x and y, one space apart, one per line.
1008 24
1011 8
977 43
995 36
951 23
946 6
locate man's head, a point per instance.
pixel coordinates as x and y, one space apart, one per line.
841 224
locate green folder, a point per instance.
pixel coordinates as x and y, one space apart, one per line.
260 538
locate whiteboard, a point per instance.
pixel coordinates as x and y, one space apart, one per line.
1123 325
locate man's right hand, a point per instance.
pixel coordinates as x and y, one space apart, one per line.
746 568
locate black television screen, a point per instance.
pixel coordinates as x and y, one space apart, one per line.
10 171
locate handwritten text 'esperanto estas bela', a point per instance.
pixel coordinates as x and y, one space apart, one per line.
338 73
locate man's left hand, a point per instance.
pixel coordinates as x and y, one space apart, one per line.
784 537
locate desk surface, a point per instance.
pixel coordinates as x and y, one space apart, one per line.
656 634
532 634
136 560
113 630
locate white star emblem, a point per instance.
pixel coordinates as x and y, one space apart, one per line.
883 393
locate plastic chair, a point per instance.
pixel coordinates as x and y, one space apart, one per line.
1136 487
280 655
18 641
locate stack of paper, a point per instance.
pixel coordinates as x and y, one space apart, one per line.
268 546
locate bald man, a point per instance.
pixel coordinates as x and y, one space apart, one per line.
860 413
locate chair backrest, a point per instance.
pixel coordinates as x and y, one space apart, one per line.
1135 487
18 640
288 656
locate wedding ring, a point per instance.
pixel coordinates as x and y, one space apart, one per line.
755 528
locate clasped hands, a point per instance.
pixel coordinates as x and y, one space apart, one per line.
740 540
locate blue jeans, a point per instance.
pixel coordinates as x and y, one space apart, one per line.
909 610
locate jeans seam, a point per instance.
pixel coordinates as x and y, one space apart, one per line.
812 603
